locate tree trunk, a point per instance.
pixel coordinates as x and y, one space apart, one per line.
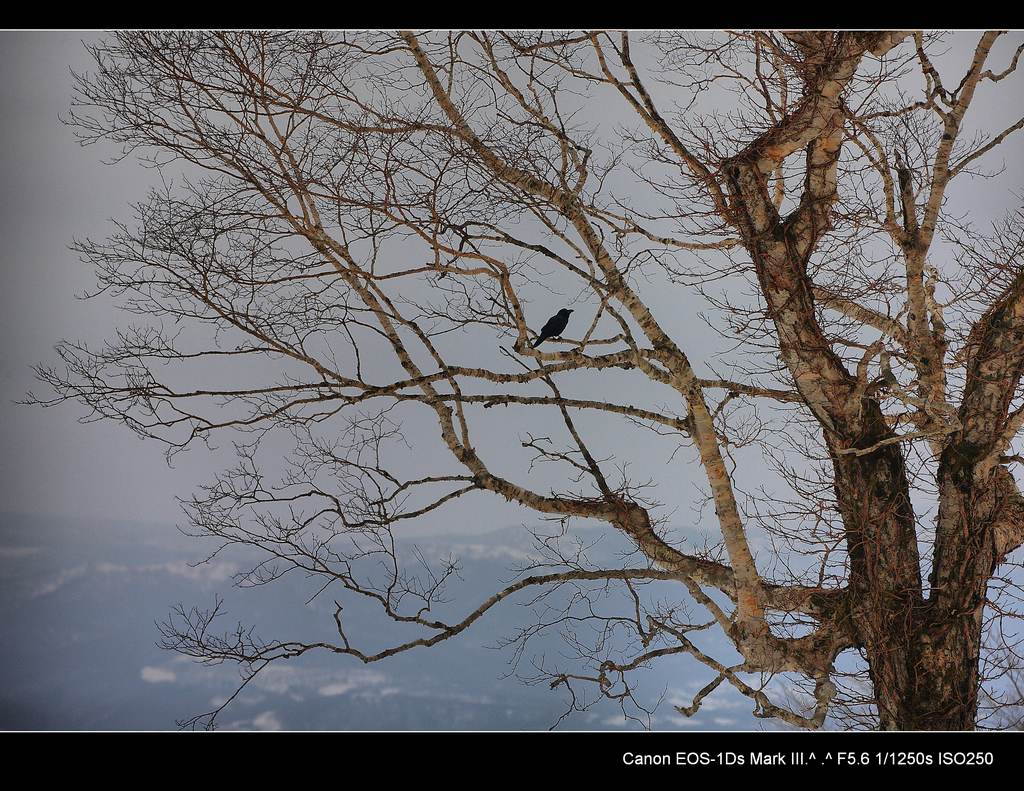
923 654
885 578
946 694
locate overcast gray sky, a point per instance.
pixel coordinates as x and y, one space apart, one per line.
53 190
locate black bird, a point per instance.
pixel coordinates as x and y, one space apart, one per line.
555 327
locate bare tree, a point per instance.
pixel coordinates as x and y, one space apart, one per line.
365 213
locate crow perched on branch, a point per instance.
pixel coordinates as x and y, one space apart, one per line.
555 327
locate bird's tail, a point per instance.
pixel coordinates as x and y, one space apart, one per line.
536 343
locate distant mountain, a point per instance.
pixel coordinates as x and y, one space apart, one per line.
79 601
